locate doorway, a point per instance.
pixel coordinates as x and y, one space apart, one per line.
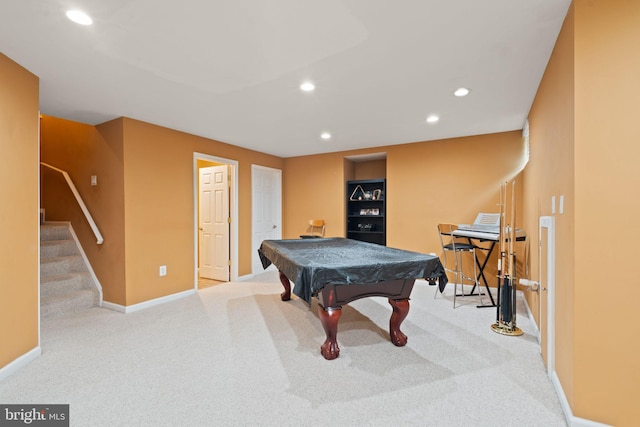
213 223
266 218
215 251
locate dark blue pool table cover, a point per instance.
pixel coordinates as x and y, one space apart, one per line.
313 263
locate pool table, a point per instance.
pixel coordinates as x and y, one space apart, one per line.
337 271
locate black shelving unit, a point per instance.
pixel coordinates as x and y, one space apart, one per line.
366 210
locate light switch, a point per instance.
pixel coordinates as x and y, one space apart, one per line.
94 179
553 204
561 205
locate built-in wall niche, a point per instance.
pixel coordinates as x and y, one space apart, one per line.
366 166
366 210
365 188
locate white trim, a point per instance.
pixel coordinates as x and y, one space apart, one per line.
548 222
147 304
20 363
113 306
246 277
233 213
39 209
572 420
96 282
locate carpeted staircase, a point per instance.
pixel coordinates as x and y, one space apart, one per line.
66 284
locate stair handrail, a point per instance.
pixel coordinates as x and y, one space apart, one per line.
87 215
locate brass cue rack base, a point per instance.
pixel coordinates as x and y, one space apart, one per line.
504 329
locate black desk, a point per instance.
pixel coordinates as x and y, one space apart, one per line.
338 271
493 238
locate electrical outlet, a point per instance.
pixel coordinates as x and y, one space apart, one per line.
163 270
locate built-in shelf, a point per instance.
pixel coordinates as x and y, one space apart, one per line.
366 211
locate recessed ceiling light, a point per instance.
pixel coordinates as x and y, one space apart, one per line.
79 17
463 91
432 118
307 86
325 135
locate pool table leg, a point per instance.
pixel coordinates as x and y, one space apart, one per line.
329 319
400 311
286 295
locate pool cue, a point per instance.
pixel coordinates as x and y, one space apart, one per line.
505 308
506 323
501 245
512 236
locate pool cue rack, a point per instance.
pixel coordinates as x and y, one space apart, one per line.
506 301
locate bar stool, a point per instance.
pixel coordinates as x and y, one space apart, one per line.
454 265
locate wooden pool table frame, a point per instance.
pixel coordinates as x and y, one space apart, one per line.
331 298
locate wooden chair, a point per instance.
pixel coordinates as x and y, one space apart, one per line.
454 262
315 229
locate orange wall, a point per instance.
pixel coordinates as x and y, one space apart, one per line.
449 180
159 205
371 169
607 209
421 190
19 216
82 151
143 203
550 172
314 187
584 146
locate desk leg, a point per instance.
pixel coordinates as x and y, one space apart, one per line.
329 319
286 295
400 311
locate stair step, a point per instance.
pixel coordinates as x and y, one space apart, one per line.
61 265
62 284
54 232
57 305
57 248
66 284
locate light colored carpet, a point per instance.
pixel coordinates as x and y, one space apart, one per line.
235 355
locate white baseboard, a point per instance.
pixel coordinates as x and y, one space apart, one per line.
572 420
147 304
20 363
113 306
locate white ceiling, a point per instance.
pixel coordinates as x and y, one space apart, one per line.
231 70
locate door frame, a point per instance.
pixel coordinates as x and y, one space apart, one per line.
214 262
547 224
233 213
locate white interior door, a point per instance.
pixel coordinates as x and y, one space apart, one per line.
214 223
266 184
